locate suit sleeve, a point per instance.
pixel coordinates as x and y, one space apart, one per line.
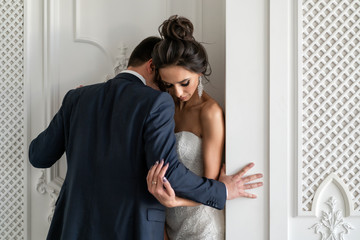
49 145
160 143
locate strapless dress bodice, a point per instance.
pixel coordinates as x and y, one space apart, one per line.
189 150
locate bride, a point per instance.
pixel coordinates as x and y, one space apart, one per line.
183 67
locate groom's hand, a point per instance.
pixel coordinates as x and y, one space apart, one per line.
237 184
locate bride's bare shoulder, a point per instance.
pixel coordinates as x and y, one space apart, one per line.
211 109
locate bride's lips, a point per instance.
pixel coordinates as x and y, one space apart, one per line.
182 98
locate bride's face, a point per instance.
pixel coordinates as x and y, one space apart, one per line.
179 82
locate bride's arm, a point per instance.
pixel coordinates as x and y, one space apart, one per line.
213 135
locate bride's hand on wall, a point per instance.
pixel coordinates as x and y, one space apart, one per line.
237 184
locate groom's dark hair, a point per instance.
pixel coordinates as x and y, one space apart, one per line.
142 52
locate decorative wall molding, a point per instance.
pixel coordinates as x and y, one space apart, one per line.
43 187
80 37
328 99
50 181
332 225
51 70
119 62
51 81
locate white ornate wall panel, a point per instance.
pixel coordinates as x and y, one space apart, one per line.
12 123
329 100
314 109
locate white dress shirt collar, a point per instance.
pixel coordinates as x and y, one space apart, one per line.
136 74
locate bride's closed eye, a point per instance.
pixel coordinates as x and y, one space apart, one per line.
186 84
169 85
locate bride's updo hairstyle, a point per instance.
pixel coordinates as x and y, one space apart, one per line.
179 47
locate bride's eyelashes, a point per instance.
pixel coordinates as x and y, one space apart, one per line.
168 85
186 83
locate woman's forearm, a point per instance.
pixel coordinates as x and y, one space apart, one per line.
182 202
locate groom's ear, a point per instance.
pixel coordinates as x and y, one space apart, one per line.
150 67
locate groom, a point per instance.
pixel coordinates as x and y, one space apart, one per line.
112 133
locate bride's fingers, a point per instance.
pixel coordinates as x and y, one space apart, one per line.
158 177
150 176
169 190
157 170
154 180
152 171
162 172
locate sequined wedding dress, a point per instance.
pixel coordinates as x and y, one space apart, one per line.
200 222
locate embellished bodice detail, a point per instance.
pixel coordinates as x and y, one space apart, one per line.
189 150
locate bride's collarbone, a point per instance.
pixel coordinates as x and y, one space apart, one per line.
188 120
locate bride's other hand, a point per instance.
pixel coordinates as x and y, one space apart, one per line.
237 184
158 185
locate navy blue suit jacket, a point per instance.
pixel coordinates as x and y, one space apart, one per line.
112 133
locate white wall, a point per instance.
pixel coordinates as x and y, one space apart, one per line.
247 113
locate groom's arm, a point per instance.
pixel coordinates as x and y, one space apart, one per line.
160 142
49 145
236 184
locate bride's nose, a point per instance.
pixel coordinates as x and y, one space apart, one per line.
178 92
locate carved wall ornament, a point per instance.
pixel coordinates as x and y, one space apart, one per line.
332 225
333 178
43 188
121 61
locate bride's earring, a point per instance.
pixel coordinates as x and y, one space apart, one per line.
200 86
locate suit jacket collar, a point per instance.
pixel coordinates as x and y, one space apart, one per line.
136 74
